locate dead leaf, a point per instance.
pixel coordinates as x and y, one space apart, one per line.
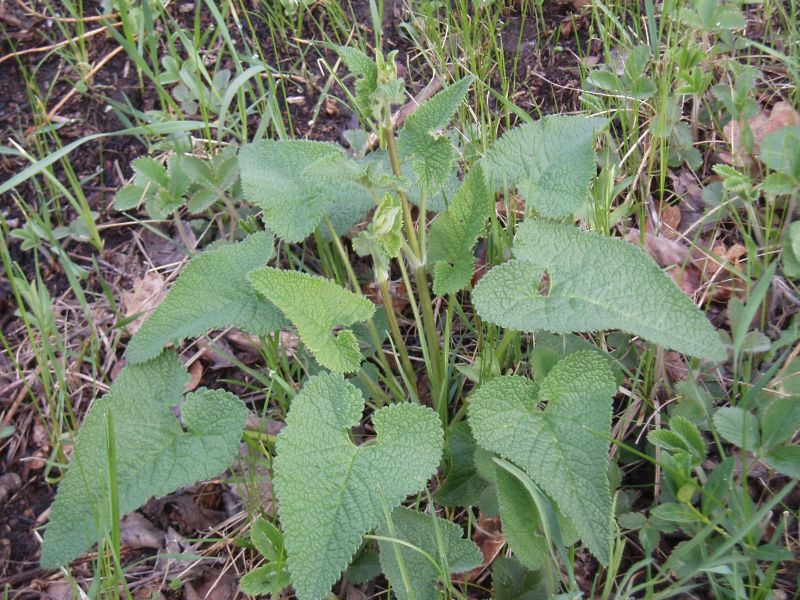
138 532
61 590
782 115
670 221
672 255
489 538
147 293
195 375
717 269
9 483
214 585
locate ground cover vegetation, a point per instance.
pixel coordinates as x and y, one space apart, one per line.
419 299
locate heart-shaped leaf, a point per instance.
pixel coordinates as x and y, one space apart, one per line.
593 282
153 453
330 491
563 447
550 161
294 203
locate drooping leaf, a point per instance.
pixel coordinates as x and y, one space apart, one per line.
154 454
273 176
212 292
462 485
594 282
271 578
316 305
330 491
440 539
563 447
432 157
738 426
551 162
453 234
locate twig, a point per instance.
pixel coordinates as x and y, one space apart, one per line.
57 45
68 96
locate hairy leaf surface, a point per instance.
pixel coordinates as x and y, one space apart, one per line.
212 292
562 447
273 176
154 454
366 71
432 157
330 491
551 162
442 540
316 305
454 233
595 282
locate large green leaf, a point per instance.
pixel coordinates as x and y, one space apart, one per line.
440 539
316 305
432 157
212 292
594 282
294 203
454 233
564 447
551 162
330 491
153 453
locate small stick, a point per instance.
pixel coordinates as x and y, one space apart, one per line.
68 96
57 45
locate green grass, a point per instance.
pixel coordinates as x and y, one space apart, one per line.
65 354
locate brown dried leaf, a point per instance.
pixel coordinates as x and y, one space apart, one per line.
195 375
138 532
782 115
147 293
489 538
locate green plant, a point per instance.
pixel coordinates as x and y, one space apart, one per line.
545 468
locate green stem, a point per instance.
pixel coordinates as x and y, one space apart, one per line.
377 339
397 336
420 274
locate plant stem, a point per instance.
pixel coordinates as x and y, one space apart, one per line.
420 274
394 329
377 339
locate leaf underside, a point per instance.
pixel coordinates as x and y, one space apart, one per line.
316 305
273 177
330 491
154 454
564 447
212 292
551 162
595 283
421 531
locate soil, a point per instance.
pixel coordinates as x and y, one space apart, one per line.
551 83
